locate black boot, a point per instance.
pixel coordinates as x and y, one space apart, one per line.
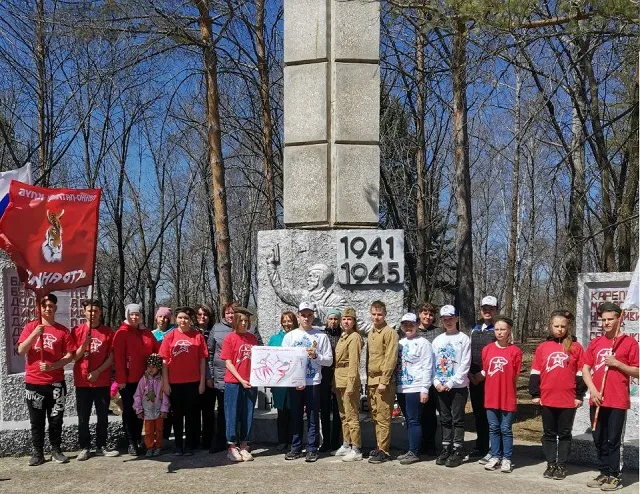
560 472
37 458
444 455
551 469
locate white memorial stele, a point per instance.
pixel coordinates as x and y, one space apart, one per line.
278 367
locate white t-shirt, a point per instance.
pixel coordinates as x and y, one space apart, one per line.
415 365
301 338
452 359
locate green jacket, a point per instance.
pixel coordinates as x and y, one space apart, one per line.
280 395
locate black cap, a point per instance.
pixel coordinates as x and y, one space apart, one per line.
609 307
506 319
92 302
49 297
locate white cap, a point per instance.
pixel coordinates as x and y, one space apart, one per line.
489 300
410 317
307 306
447 311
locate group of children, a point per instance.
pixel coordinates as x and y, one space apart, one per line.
156 373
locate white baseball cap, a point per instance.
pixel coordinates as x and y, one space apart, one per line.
409 317
489 300
307 306
447 311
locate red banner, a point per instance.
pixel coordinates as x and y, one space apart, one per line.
51 235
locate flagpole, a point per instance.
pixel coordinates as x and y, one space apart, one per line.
39 313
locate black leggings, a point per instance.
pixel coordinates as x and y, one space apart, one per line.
184 403
130 422
46 402
557 424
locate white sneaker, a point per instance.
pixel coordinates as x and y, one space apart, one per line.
234 454
245 455
493 463
342 450
85 454
485 459
506 466
352 456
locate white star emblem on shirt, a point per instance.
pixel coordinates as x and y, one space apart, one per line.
555 360
496 364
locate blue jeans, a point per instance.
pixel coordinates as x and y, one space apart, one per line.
309 396
501 432
238 407
412 411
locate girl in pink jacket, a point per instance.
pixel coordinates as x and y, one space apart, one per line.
151 404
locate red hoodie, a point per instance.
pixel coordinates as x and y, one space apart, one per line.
131 347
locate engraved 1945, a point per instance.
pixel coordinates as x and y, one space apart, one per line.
366 257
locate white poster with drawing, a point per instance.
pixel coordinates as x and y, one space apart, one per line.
278 367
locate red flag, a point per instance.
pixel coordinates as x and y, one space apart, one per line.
51 235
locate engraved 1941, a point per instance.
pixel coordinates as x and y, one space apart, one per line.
370 258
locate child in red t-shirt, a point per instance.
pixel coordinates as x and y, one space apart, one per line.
239 396
184 353
618 353
556 384
501 364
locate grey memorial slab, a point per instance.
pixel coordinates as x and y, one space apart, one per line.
593 290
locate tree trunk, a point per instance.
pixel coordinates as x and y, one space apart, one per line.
214 138
267 128
577 193
515 191
630 193
40 55
421 255
464 248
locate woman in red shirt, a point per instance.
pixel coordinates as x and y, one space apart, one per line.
239 396
48 347
132 344
556 384
184 353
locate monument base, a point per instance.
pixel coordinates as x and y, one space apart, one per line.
583 452
15 437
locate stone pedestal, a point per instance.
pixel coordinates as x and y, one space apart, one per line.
593 290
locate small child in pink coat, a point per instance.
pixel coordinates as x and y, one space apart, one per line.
152 405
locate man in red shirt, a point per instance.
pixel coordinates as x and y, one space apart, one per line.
618 353
48 347
92 378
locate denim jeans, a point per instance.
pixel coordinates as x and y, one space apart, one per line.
239 403
309 396
412 411
501 432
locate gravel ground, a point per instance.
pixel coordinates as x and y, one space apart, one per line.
270 473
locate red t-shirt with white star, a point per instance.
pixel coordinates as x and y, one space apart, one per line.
54 343
182 352
500 367
616 391
558 372
100 348
237 348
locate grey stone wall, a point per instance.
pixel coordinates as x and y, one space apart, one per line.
331 113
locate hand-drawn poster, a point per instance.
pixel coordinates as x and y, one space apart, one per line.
278 367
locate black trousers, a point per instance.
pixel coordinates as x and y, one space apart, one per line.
556 438
46 402
452 404
331 429
476 392
205 418
220 436
184 402
283 422
131 424
608 437
167 423
86 398
429 421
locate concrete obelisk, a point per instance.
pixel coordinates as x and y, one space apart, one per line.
330 254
